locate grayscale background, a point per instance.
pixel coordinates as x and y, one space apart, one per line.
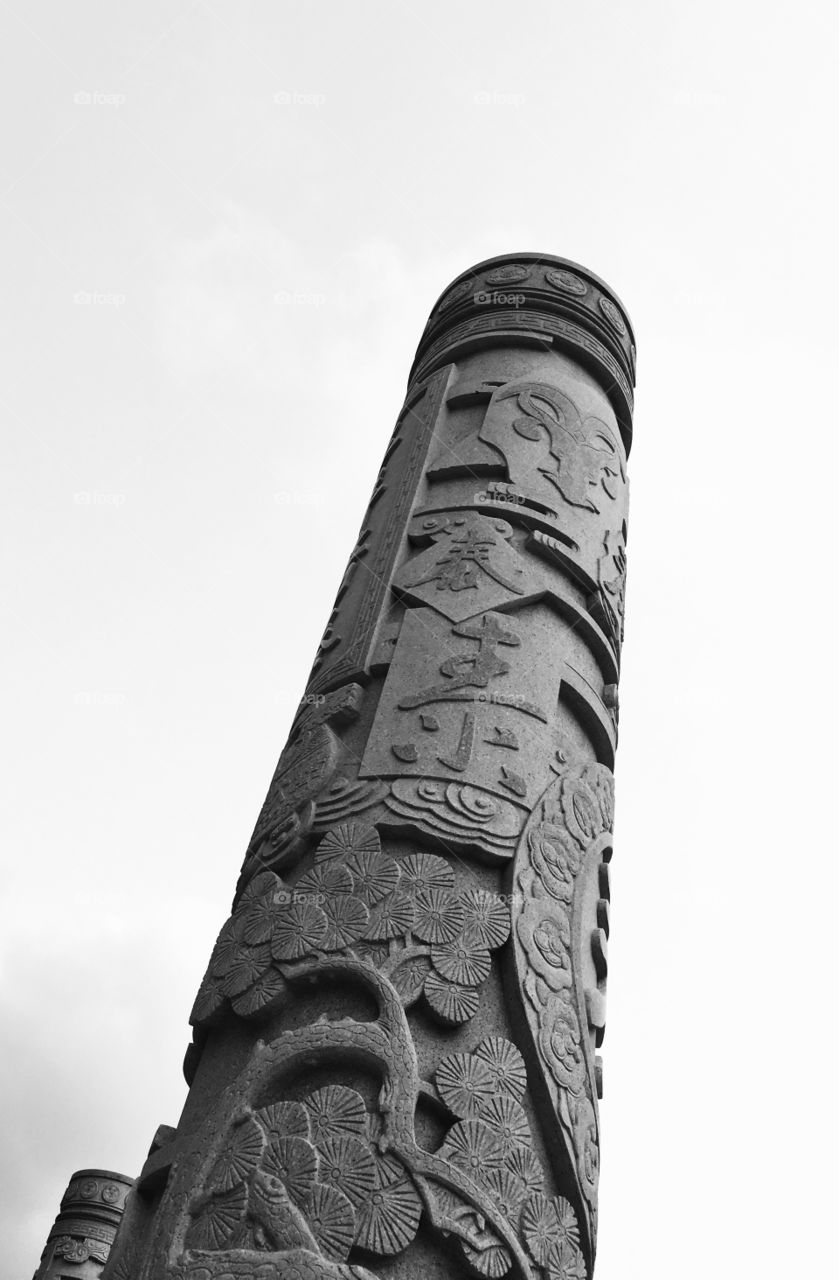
223 227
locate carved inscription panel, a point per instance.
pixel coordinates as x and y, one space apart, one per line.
472 702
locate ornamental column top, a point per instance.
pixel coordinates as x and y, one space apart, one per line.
536 299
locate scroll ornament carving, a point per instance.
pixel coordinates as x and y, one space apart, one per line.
612 581
72 1249
570 825
306 767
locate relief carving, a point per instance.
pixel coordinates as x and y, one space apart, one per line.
453 726
305 768
395 1037
429 938
303 1180
346 651
544 448
469 565
568 837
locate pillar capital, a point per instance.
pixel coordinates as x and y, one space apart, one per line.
533 299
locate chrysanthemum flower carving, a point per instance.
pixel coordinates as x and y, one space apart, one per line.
523 1164
486 918
298 931
566 1263
347 839
256 909
462 961
307 1174
404 915
438 916
451 1003
491 1142
393 917
547 1225
284 1120
507 1192
347 920
375 875
347 1164
331 1218
465 1084
294 1162
269 991
227 950
409 978
474 1146
509 1122
505 1064
389 1217
245 966
240 1156
322 881
219 1219
422 872
335 1110
209 1001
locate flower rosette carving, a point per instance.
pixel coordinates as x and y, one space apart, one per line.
243 973
304 1175
565 839
490 1141
405 915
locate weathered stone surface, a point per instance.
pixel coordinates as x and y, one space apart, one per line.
393 1068
81 1238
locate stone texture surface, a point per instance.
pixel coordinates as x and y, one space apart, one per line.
81 1238
393 1070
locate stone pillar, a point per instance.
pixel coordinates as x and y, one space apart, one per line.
80 1241
393 1070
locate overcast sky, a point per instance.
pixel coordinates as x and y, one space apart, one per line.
223 227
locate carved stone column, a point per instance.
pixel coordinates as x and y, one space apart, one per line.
394 1067
81 1238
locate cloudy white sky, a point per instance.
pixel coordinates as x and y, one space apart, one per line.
223 226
